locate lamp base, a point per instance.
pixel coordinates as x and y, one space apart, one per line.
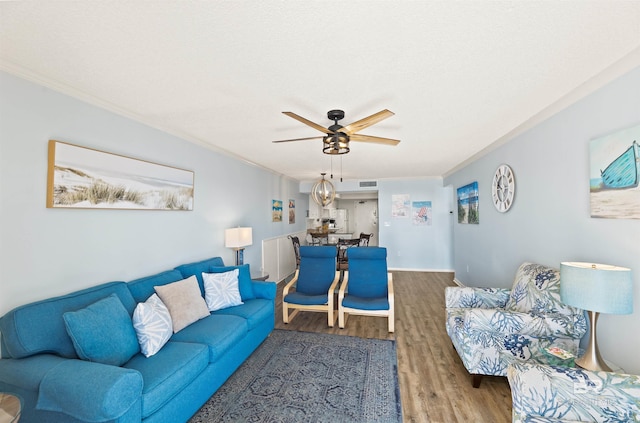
239 256
591 359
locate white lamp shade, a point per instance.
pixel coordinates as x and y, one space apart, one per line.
596 287
238 237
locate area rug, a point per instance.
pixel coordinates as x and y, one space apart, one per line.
311 377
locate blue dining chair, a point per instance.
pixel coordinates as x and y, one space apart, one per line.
367 288
315 283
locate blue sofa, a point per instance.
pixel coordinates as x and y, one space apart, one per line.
40 364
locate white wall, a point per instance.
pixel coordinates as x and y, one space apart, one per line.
550 219
45 252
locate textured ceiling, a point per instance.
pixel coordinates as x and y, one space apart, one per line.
461 76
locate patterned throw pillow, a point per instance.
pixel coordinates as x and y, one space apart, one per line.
221 290
536 290
153 326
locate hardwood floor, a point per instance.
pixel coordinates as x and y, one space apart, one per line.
434 385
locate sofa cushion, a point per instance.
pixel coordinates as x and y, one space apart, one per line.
245 284
152 322
221 290
199 267
255 311
143 288
103 332
184 302
165 374
39 327
218 332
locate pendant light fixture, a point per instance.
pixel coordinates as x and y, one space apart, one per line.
323 192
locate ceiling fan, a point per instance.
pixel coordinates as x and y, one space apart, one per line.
337 138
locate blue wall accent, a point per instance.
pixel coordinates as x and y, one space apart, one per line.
550 219
45 252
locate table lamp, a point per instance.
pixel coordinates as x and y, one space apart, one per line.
596 288
238 238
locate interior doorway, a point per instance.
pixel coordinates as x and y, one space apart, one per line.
366 219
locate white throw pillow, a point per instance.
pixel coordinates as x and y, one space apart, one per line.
153 326
184 301
221 290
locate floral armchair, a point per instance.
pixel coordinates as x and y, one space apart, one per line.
489 327
561 394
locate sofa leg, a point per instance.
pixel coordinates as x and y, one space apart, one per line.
475 380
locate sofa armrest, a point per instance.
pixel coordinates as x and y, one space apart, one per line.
266 290
473 297
551 325
90 391
567 394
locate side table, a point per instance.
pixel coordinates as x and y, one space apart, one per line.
10 408
259 276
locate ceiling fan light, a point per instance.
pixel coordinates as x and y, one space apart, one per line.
335 144
323 192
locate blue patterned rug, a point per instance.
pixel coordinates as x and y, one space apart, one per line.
311 377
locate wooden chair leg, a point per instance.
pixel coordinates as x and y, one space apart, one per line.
475 380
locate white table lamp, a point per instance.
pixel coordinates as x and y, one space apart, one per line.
238 238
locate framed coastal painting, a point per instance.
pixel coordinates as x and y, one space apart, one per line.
276 210
468 204
614 175
292 211
85 178
421 213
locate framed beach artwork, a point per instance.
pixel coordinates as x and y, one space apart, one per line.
421 213
292 211
400 205
468 204
276 210
614 175
84 178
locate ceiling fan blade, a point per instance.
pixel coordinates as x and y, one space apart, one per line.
377 140
366 122
299 139
308 122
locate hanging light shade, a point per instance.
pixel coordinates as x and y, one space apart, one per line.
323 192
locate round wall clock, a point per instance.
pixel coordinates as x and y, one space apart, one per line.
503 188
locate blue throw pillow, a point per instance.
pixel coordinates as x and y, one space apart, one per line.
103 332
244 279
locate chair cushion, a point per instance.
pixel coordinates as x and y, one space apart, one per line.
317 270
360 303
103 332
368 276
165 374
303 299
536 290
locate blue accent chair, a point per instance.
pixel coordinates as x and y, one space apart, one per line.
367 288
315 283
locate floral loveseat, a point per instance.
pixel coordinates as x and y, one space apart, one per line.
490 326
151 350
544 394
